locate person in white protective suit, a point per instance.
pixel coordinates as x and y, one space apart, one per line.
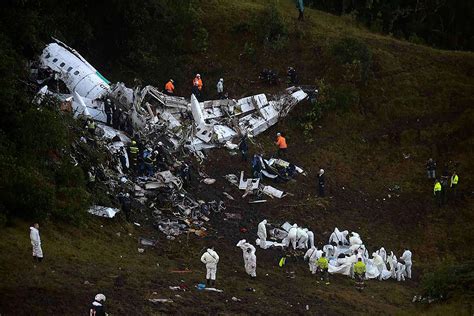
313 254
36 243
392 262
310 237
250 259
355 239
329 250
400 271
406 256
382 253
262 234
210 258
338 237
292 233
302 238
379 263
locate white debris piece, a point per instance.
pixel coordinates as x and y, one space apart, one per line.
249 183
271 191
103 211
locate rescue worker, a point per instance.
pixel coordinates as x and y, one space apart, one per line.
97 308
454 183
310 237
338 237
197 86
250 259
282 146
321 182
210 258
126 204
392 262
302 238
401 271
133 154
406 257
149 162
292 77
444 185
108 109
300 7
292 236
379 263
90 126
359 272
244 148
313 254
36 243
437 192
262 233
220 88
169 87
431 168
323 264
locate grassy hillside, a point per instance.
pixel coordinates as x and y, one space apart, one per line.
416 102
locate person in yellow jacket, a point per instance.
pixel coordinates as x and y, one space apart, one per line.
323 264
359 273
437 191
454 183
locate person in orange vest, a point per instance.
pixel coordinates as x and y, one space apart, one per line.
169 87
197 86
282 146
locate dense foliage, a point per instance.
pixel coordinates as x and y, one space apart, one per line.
441 23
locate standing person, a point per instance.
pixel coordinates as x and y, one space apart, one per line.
108 108
197 86
169 87
126 204
323 264
292 76
445 184
250 259
97 306
282 146
133 154
437 192
244 147
313 254
359 272
210 258
220 88
454 183
300 7
431 168
321 182
406 257
36 243
262 233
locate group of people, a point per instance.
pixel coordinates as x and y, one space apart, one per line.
197 88
444 185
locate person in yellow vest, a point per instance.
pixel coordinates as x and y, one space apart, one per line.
359 273
133 154
323 264
454 183
437 192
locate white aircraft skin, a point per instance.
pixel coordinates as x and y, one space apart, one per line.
78 75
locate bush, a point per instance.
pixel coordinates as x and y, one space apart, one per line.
355 53
270 27
448 278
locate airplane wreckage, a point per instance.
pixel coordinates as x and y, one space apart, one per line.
189 123
163 124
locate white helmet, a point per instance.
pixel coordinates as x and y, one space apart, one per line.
321 171
100 298
222 79
198 75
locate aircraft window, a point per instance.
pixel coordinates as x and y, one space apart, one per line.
76 72
62 64
47 56
55 60
69 69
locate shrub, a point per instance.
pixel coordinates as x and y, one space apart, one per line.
270 27
448 278
351 51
